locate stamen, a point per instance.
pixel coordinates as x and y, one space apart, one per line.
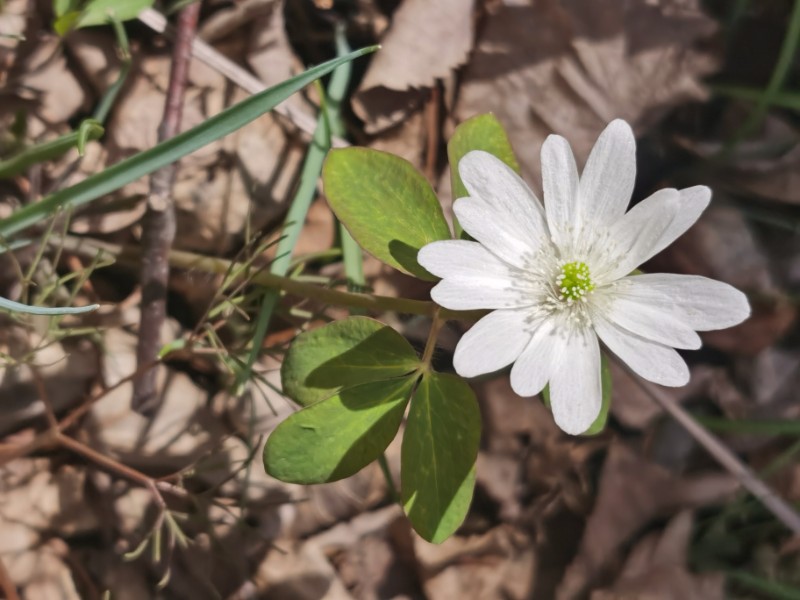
574 282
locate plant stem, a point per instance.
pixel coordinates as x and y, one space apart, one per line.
220 266
430 344
8 587
159 221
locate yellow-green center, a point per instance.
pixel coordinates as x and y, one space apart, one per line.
574 282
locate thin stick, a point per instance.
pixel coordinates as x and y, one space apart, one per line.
8 587
238 75
782 510
159 221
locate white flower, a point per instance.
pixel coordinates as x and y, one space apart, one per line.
559 277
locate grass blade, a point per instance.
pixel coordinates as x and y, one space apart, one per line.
171 150
12 306
295 218
88 130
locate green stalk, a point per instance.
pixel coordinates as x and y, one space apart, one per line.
219 266
295 218
776 81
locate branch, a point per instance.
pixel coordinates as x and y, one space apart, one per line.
159 221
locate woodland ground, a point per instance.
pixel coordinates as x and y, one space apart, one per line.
712 90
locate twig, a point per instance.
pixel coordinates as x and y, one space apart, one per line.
8 587
432 127
159 221
749 480
238 75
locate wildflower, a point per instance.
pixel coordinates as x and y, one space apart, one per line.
559 277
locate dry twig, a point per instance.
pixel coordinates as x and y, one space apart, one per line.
749 480
159 221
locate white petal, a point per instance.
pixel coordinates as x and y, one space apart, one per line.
473 277
576 393
638 234
492 343
501 212
655 362
560 181
476 293
463 259
608 177
534 366
693 202
648 321
703 304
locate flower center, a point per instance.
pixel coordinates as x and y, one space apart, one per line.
574 282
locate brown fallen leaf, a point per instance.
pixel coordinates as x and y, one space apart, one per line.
497 565
633 407
766 165
425 42
46 79
299 570
656 569
633 492
571 67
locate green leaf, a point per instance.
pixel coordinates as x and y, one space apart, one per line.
62 7
12 306
89 129
483 132
606 384
344 353
169 151
440 446
388 207
338 437
98 12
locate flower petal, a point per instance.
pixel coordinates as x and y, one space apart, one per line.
476 294
463 259
646 320
607 180
638 234
492 343
576 393
501 212
473 277
560 181
534 366
703 304
655 362
693 202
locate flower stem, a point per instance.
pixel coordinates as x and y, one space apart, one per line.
387 475
220 266
430 345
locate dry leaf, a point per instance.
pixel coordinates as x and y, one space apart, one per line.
498 565
45 78
425 42
571 67
632 493
656 569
